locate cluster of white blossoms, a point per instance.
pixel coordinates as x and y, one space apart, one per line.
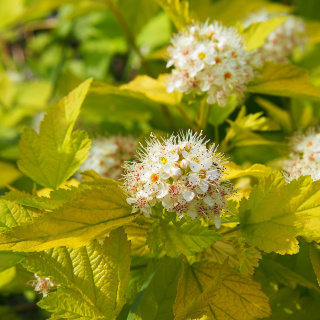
181 174
305 156
107 155
210 58
280 43
43 285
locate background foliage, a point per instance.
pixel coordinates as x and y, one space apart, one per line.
111 55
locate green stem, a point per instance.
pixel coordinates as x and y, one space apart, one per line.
204 115
216 135
185 116
131 40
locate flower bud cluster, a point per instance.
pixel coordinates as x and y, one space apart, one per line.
209 58
182 175
43 285
305 156
107 155
280 43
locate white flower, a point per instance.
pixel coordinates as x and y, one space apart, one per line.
305 156
107 155
42 285
210 58
182 175
280 43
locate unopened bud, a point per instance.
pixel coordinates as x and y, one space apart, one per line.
184 164
175 173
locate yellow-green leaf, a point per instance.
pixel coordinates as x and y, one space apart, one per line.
90 214
180 236
285 80
154 89
237 297
232 11
281 116
256 33
53 155
276 213
92 280
9 173
313 31
248 256
199 304
12 214
178 11
257 170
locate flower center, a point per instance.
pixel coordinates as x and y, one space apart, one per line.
202 174
218 60
163 160
154 177
195 159
310 143
227 75
202 55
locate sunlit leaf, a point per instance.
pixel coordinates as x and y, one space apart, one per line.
178 12
56 153
248 256
234 171
180 236
154 89
92 280
237 298
90 214
285 80
276 213
256 33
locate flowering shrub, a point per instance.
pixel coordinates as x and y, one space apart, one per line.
183 175
210 58
107 156
199 196
304 157
280 44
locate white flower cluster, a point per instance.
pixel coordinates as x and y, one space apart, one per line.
280 43
305 156
210 58
107 155
181 174
43 285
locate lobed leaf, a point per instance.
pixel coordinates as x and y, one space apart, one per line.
183 236
286 81
90 214
248 256
13 214
55 154
276 213
92 280
236 298
256 33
